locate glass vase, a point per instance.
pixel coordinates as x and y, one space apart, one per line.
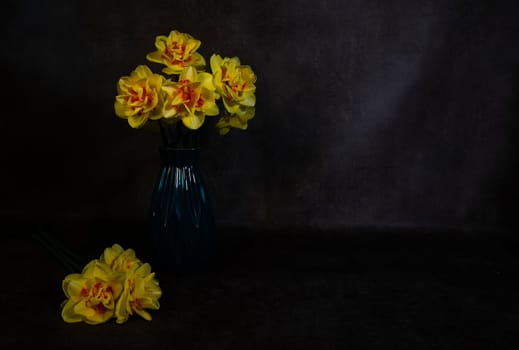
181 219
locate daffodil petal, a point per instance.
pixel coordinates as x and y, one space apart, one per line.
193 121
68 314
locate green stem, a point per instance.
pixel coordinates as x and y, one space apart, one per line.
68 259
163 133
177 135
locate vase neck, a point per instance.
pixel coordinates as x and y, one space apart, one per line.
179 156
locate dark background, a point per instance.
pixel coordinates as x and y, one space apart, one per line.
369 113
349 212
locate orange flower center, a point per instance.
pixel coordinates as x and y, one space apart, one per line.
188 94
136 304
97 296
175 53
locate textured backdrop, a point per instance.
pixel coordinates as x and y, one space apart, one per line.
369 113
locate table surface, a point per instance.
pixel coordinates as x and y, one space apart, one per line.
344 289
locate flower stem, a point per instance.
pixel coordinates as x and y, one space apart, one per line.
163 133
177 135
68 259
180 135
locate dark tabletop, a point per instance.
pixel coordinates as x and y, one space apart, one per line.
342 289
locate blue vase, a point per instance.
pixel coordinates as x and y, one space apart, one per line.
181 219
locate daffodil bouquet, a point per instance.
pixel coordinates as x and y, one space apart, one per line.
117 285
186 93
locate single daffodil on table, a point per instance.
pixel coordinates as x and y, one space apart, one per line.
140 288
141 291
118 259
92 294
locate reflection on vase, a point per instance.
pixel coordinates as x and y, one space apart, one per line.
181 219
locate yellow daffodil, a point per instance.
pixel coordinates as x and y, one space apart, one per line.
238 120
92 294
191 98
139 97
176 51
157 103
141 291
235 83
118 259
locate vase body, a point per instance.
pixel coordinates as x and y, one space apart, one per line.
181 219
